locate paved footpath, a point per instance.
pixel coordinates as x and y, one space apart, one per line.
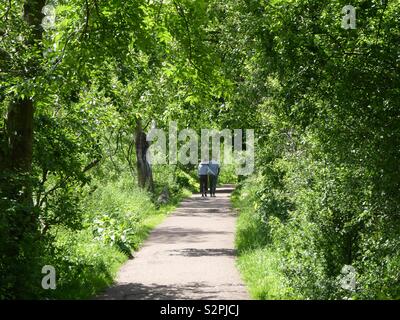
189 256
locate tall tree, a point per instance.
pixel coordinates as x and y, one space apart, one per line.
144 172
16 156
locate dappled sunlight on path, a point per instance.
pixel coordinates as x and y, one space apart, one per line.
189 256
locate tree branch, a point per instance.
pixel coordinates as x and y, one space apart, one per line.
60 183
5 15
181 13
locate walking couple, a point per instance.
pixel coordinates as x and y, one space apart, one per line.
208 172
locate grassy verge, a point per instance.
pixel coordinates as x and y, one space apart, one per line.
118 218
257 263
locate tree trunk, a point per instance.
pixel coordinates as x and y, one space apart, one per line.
20 135
19 164
19 227
17 159
144 172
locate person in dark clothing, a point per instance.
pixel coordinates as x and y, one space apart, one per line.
213 172
203 177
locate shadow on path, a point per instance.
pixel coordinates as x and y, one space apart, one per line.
190 255
139 291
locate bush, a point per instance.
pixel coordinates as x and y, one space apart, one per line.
117 217
115 211
227 175
312 220
83 264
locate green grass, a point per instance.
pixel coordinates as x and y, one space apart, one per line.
83 266
87 263
257 263
259 270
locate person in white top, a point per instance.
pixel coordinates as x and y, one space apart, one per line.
203 177
213 172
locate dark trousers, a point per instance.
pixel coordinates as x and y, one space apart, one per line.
203 184
213 183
